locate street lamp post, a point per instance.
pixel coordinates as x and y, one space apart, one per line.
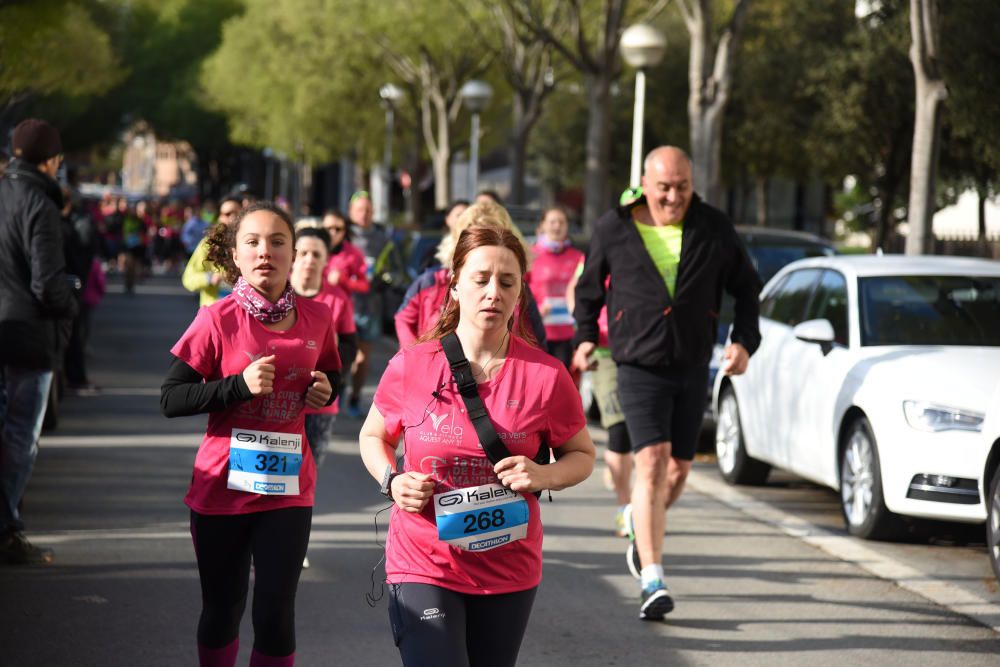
475 95
390 94
642 47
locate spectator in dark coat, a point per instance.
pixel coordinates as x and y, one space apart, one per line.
36 308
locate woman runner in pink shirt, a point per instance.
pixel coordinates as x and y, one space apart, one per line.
254 362
465 536
555 263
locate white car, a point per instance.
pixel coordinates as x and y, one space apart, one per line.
989 485
873 378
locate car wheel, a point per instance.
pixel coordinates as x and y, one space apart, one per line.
993 522
736 466
861 499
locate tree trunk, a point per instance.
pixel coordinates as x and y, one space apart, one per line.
437 136
441 163
760 199
709 83
884 230
981 215
931 92
597 194
518 151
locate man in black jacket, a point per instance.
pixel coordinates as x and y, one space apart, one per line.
668 256
36 303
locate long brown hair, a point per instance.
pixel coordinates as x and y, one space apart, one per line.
221 239
484 234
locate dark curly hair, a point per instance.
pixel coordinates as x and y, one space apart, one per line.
221 239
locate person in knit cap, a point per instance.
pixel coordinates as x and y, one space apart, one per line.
37 306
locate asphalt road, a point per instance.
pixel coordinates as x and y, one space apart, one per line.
759 575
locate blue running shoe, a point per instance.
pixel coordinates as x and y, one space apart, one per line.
655 602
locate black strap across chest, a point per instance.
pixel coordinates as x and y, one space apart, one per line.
461 373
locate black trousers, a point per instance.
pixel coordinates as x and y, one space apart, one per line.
224 545
433 626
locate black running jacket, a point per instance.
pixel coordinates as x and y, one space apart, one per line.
646 325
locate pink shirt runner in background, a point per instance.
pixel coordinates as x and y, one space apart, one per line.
350 261
532 398
548 279
223 340
342 309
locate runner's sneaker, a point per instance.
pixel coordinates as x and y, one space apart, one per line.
627 522
15 549
632 559
655 602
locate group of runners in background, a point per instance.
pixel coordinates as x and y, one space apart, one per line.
487 418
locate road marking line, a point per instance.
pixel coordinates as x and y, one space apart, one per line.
121 391
186 440
953 596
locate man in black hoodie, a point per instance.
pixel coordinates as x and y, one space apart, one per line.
660 264
36 305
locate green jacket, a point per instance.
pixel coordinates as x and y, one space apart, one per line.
197 276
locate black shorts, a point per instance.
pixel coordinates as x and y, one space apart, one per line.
664 405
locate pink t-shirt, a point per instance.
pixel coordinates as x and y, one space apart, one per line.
223 340
531 398
342 308
548 279
419 315
350 261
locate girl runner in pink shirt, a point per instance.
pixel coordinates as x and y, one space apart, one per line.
478 570
253 361
311 253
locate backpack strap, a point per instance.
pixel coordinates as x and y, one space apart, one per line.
461 373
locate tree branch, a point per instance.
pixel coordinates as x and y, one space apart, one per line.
530 21
655 10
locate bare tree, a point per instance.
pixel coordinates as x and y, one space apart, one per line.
436 86
597 60
710 81
527 63
931 93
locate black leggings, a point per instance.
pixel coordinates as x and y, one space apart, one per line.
439 627
223 545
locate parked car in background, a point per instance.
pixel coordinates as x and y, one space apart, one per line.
989 486
769 250
873 378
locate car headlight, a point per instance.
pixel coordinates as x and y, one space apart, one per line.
929 417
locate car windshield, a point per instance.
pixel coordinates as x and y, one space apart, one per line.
930 310
771 258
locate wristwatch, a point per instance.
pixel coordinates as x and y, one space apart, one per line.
386 488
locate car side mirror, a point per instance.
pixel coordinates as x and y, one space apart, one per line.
816 331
